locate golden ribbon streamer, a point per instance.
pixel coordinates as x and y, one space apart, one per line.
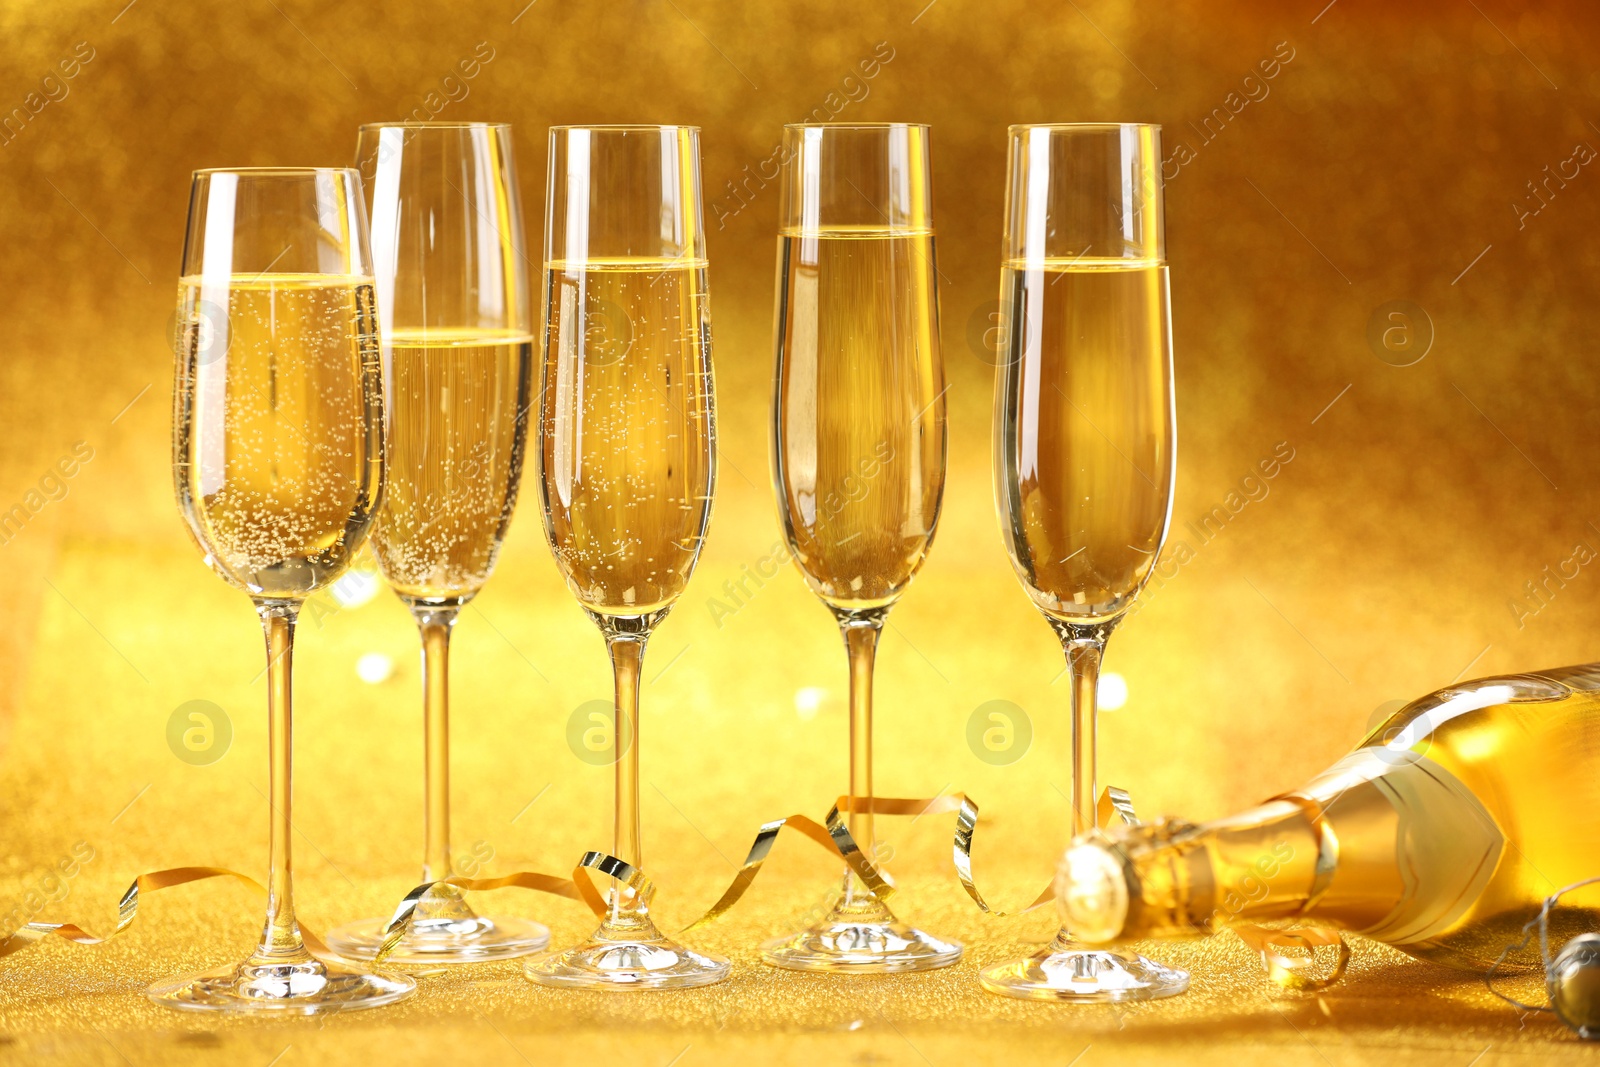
1291 972
578 887
128 910
1116 803
1327 846
832 834
631 877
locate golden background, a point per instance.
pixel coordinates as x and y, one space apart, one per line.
1383 161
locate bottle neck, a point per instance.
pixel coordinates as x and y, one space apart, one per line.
1263 863
1393 847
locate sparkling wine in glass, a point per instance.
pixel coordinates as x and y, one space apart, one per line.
859 450
627 446
452 287
1084 448
278 460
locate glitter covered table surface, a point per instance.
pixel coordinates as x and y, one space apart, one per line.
100 772
1322 162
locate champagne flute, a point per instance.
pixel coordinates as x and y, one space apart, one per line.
1084 448
859 450
278 459
453 301
627 457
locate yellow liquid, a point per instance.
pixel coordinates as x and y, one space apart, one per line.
278 451
1528 759
1453 822
459 400
1084 431
859 411
628 429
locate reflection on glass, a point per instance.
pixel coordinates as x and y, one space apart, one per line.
453 297
1084 441
627 445
859 450
278 459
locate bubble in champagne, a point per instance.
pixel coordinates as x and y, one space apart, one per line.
608 332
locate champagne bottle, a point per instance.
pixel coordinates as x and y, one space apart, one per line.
1440 834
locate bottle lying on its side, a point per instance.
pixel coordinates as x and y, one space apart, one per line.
1441 834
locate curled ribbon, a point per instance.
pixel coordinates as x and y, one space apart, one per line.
1116 804
834 836
128 907
128 910
1293 972
1290 972
578 887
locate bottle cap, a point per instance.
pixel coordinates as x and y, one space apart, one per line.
1574 981
1092 891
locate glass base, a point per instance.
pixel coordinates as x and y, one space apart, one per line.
628 952
860 935
437 941
304 987
1066 971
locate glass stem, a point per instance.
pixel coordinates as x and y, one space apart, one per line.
1085 645
280 940
435 623
861 630
627 658
1083 664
